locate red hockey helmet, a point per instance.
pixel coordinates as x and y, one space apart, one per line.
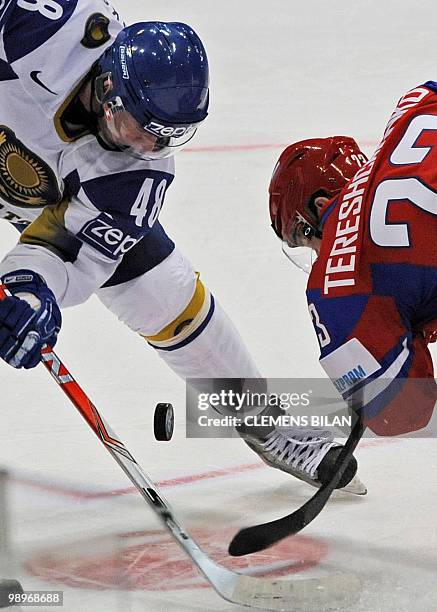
304 171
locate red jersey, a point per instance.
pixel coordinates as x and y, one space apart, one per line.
372 292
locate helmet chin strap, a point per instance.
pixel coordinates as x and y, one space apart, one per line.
93 98
99 114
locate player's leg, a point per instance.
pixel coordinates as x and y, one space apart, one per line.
170 306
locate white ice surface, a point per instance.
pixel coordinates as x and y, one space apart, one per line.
280 71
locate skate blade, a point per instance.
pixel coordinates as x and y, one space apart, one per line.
355 486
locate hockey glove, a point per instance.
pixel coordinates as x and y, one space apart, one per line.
29 319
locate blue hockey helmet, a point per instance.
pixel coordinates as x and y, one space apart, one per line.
152 83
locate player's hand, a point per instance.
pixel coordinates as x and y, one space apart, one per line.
29 319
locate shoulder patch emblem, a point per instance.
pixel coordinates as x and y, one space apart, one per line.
96 31
25 179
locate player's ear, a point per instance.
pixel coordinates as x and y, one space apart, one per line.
320 202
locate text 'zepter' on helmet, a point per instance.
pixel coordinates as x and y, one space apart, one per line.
153 87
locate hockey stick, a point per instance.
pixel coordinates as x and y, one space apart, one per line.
260 537
309 594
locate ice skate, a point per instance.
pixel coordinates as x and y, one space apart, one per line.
309 455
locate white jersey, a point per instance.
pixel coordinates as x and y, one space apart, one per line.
87 206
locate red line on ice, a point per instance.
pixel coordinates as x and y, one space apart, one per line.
234 148
173 482
80 494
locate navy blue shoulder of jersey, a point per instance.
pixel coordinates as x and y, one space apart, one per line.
129 204
432 85
327 212
6 72
117 193
6 8
339 315
27 29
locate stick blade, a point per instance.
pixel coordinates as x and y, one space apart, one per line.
246 542
262 536
259 537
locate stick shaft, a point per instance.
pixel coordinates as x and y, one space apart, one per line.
121 454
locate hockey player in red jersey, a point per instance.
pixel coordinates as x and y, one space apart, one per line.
372 291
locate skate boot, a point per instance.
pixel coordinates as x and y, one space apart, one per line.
309 455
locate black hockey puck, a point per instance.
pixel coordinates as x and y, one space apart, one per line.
8 590
163 422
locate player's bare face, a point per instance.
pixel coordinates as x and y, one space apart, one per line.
123 131
312 242
301 233
302 247
300 236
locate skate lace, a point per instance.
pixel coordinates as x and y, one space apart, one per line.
300 450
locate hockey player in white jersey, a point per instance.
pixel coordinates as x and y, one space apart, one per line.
91 115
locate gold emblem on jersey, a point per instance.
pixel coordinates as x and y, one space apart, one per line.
25 179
